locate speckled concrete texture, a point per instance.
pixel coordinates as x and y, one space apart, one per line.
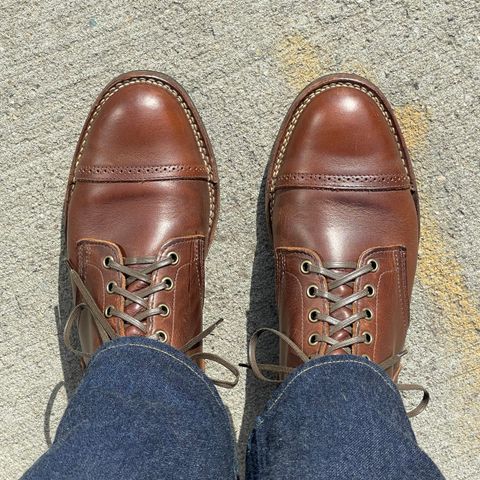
243 63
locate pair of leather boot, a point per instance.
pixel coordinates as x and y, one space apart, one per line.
342 207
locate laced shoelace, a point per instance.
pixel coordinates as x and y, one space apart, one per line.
336 302
338 279
138 297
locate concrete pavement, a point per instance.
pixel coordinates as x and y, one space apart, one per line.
243 63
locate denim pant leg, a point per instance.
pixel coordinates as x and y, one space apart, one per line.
336 418
143 411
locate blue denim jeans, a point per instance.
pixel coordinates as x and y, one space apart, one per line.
145 411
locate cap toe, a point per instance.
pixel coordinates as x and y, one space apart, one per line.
343 130
139 124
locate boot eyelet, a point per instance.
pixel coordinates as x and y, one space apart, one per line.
368 338
174 257
108 311
374 264
312 339
313 316
368 314
164 310
168 283
305 266
370 290
366 357
161 336
110 286
107 261
312 291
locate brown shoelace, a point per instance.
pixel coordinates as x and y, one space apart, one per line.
138 297
338 279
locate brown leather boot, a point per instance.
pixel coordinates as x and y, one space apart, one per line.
342 208
141 208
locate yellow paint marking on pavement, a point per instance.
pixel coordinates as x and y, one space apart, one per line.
414 120
354 66
438 270
440 273
300 61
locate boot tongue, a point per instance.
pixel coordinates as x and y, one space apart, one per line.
342 313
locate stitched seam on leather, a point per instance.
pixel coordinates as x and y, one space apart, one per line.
300 257
322 325
281 276
191 120
170 246
95 267
303 307
330 362
135 173
400 290
148 347
81 260
85 263
278 271
376 309
196 263
174 312
381 253
119 326
135 169
183 240
396 179
405 286
284 271
299 110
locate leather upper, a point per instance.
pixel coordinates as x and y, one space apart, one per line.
143 184
341 189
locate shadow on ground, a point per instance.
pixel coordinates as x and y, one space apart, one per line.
72 372
261 313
